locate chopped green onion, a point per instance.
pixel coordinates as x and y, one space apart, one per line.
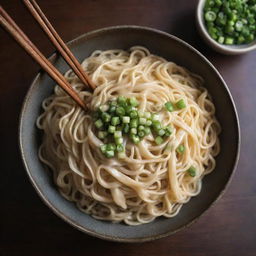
181 104
221 39
148 123
128 109
192 171
112 109
141 128
141 134
113 103
115 120
180 149
104 108
147 115
249 38
121 100
155 117
134 123
120 111
133 131
126 128
119 140
169 106
133 114
133 101
137 123
98 123
229 40
147 130
229 22
142 120
229 30
111 129
118 134
103 148
135 139
141 113
109 153
111 146
218 2
210 16
157 125
159 140
106 117
102 134
161 132
240 39
120 148
168 130
239 25
126 119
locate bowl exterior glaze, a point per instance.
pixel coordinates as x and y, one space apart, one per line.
173 49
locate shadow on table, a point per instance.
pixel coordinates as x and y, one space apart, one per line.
185 28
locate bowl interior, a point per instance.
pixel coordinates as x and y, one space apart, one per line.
231 49
174 50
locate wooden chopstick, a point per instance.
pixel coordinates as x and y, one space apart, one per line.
58 42
10 26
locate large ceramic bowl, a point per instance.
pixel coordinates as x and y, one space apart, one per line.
172 49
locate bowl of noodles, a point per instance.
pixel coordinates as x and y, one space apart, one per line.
155 149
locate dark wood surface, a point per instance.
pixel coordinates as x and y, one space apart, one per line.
28 227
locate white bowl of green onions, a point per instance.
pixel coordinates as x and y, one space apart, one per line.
228 26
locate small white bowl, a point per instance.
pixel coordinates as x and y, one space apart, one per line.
225 49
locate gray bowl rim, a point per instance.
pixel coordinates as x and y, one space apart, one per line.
217 46
62 214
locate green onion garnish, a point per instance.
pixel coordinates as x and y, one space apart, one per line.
161 132
120 148
126 119
133 114
115 120
180 104
192 171
102 134
103 148
121 117
133 102
117 134
169 106
180 149
135 139
134 123
159 140
106 117
109 153
231 22
120 111
133 131
141 134
147 130
98 123
111 129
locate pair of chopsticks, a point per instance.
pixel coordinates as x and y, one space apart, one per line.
10 26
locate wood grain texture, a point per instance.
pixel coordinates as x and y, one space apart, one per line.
28 227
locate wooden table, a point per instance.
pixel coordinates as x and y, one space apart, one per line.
28 227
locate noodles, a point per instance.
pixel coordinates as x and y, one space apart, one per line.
152 180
